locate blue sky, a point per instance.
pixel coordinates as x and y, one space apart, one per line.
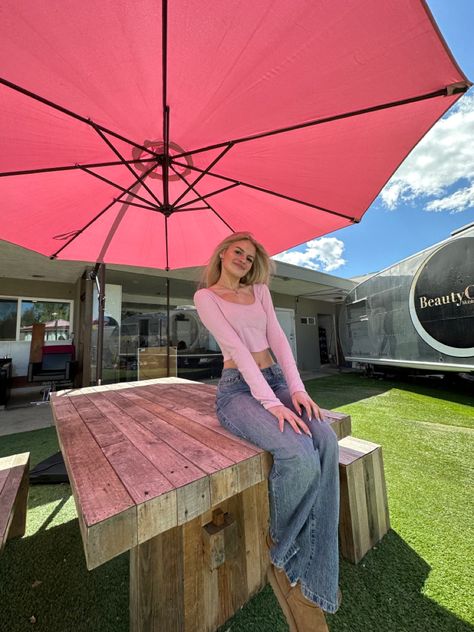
419 206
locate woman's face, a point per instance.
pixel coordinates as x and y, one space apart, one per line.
238 258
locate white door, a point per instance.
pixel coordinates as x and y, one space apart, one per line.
286 318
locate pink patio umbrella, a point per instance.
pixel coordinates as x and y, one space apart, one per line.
141 133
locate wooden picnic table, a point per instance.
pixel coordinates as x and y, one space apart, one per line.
153 473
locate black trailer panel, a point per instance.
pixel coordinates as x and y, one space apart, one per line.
419 313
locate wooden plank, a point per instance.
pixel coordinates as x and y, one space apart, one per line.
136 467
13 496
358 446
176 397
228 445
364 510
153 362
102 429
340 423
187 409
360 508
251 540
3 474
194 572
176 467
157 515
210 595
37 342
193 500
107 514
263 515
18 524
232 480
139 476
192 494
206 391
210 421
224 484
232 575
202 456
156 584
376 496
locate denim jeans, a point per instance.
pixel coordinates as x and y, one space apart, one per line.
303 484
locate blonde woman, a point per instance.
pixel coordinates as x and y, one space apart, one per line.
267 404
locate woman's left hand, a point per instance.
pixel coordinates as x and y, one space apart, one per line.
301 400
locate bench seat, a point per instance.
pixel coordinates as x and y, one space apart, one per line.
13 496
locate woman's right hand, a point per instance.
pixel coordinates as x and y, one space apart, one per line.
282 413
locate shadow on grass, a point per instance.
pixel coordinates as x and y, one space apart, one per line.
45 576
383 593
40 443
338 390
347 388
44 494
448 388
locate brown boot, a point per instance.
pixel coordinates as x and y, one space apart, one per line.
307 616
282 588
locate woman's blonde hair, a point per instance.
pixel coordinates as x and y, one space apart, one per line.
262 268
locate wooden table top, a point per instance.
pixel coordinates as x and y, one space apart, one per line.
146 456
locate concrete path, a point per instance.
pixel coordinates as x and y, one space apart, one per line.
25 411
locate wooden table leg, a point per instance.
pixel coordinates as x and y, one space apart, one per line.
18 525
156 584
192 578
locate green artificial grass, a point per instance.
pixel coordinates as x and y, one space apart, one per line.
418 579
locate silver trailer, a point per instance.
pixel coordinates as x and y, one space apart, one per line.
418 314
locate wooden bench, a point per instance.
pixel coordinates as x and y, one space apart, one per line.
13 496
364 517
153 472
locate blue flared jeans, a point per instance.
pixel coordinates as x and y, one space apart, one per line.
303 484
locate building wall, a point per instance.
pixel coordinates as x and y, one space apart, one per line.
307 337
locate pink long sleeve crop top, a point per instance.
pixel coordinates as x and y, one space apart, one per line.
242 329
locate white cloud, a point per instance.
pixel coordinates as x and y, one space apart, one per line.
459 201
323 254
444 158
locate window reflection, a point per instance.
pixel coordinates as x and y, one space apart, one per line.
55 316
137 349
8 314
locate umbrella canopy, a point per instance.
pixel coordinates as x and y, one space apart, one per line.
142 133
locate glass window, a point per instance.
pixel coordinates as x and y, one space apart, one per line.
56 317
8 313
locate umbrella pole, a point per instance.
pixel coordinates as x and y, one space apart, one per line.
167 327
100 281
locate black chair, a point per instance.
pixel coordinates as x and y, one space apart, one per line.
58 366
5 380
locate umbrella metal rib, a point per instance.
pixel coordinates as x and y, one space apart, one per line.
204 172
459 87
200 197
125 163
90 165
263 190
96 217
118 186
204 197
76 116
